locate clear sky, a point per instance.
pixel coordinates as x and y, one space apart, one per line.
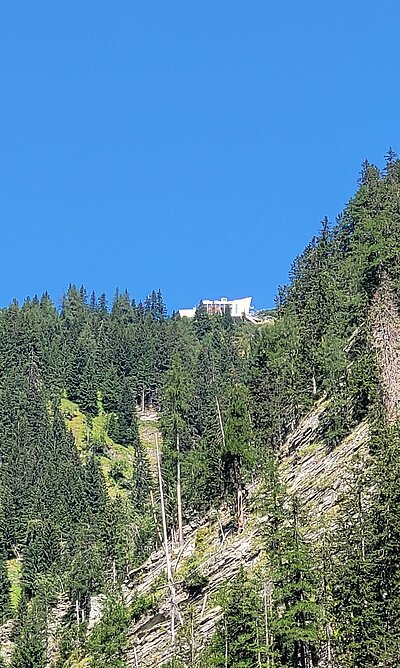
191 146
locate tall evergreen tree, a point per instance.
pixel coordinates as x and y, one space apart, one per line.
238 641
5 585
175 427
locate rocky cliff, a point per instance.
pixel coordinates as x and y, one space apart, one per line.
216 552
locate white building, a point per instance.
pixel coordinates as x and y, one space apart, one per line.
187 312
237 307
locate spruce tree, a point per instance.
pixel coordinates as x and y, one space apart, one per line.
30 647
237 450
141 484
354 608
87 393
293 614
237 642
128 433
175 428
5 585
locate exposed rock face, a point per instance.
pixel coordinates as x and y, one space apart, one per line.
309 469
96 608
150 638
385 325
54 622
57 616
6 643
315 474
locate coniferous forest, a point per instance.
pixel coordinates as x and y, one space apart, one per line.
121 426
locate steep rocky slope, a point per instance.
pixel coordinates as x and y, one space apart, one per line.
216 552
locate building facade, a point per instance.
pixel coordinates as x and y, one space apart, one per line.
237 307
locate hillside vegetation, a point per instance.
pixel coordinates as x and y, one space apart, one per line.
136 446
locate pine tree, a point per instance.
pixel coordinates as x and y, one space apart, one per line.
201 322
354 610
296 623
111 390
5 585
30 648
87 392
293 614
141 484
237 451
237 642
384 531
107 643
94 487
128 433
42 551
175 408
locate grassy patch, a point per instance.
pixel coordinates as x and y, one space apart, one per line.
116 460
80 427
117 469
75 421
147 434
14 575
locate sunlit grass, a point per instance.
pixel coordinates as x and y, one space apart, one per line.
85 431
14 575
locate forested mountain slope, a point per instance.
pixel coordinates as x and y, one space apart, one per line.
213 552
272 447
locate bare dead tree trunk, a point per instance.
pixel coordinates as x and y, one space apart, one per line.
221 426
267 613
221 528
153 508
170 581
258 647
239 497
314 384
360 514
203 607
266 623
239 507
192 640
328 646
226 645
178 490
77 611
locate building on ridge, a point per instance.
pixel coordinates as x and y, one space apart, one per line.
237 307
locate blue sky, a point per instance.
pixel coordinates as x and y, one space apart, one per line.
191 146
